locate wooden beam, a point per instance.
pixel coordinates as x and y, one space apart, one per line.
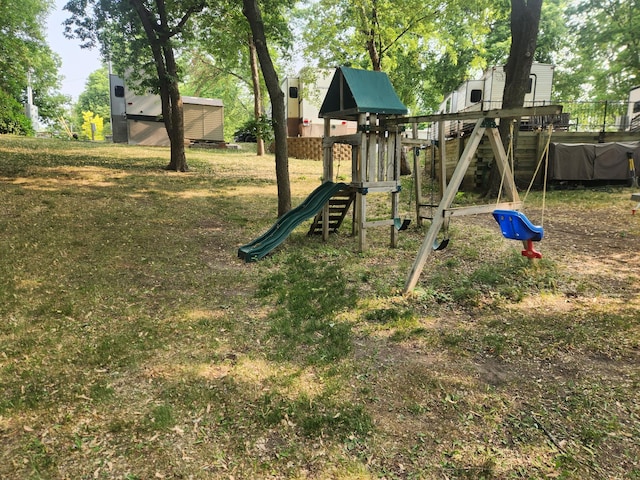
449 195
419 142
442 149
353 139
504 168
328 176
494 113
417 173
478 209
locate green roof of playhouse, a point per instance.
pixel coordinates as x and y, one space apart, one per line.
354 91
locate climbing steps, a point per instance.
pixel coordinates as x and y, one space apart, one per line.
338 207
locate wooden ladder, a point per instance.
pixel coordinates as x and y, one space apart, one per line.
338 207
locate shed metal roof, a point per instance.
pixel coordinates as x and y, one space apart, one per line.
210 102
354 91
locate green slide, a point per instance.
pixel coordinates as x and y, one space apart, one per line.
273 237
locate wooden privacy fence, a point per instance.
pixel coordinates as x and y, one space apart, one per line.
530 146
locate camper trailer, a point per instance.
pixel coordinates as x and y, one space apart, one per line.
304 97
137 119
633 114
486 93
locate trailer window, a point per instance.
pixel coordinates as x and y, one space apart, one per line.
293 92
636 107
118 91
476 96
530 85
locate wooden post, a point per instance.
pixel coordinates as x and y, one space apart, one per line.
355 158
447 199
371 149
503 164
417 174
383 157
327 174
442 143
362 218
395 154
360 207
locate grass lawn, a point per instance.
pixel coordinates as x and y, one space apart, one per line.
134 344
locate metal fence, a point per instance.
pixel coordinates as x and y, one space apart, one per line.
601 116
607 116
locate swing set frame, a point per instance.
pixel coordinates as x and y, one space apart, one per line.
484 126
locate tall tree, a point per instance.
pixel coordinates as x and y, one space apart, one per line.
251 10
608 45
24 53
408 39
525 21
228 40
95 96
142 34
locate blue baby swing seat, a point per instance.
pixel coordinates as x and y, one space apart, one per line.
516 226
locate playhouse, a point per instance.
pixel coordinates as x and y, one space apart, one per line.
367 98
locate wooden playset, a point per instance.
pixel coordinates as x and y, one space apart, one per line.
369 98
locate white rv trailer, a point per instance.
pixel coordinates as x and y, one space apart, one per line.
304 99
633 114
486 93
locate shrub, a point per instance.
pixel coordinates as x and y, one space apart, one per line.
12 117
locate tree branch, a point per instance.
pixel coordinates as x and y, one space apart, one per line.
411 24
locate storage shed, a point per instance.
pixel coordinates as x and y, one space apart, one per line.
203 119
137 119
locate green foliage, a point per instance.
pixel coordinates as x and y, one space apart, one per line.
95 97
12 117
92 126
24 52
253 128
409 39
606 52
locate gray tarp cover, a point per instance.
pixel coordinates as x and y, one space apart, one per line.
592 161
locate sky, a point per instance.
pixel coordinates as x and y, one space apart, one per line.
77 63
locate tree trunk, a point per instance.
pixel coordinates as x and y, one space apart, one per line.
163 56
178 160
374 53
257 96
525 21
376 62
251 10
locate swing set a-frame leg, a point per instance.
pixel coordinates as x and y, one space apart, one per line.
447 199
452 189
